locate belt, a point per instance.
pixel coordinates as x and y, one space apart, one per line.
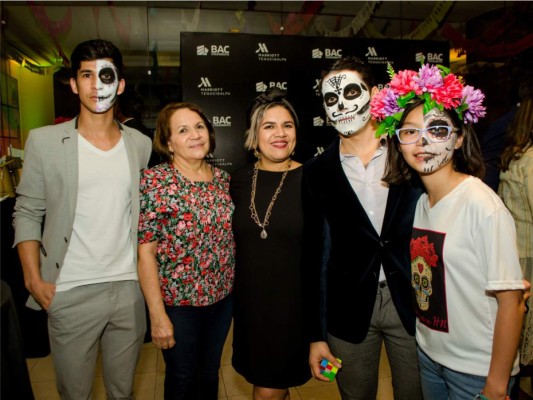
382 284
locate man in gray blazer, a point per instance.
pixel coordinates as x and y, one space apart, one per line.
75 222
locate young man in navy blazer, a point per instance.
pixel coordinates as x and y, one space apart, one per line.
356 248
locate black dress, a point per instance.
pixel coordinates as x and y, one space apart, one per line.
269 348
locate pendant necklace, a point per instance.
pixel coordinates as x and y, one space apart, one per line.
255 217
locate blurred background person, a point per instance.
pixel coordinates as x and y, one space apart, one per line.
516 191
130 111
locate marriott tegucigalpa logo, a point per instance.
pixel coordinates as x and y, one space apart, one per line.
207 88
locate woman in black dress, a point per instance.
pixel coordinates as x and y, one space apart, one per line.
269 348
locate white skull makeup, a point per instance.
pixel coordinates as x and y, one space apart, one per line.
436 154
107 85
346 101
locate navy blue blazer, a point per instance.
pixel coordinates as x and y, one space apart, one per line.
342 252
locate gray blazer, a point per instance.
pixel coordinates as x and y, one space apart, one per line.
49 187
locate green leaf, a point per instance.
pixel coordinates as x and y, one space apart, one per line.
381 129
390 70
403 100
444 69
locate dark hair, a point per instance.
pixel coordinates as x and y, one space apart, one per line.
271 98
96 49
163 131
466 159
353 64
519 135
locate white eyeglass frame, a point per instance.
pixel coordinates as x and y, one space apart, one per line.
424 131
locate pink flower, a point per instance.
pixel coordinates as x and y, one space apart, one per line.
384 104
450 94
404 82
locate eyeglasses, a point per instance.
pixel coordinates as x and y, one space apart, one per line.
435 134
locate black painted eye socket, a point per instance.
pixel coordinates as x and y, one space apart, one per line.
330 99
352 91
107 75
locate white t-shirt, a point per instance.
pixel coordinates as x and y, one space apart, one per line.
100 249
462 248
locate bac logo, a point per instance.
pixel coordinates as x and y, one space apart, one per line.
420 57
316 53
318 121
332 53
279 85
260 87
435 57
219 50
222 121
202 50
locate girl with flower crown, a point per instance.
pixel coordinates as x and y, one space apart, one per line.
466 277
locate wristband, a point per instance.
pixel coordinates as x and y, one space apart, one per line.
480 396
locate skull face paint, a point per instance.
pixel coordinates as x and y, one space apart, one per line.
107 85
346 101
425 156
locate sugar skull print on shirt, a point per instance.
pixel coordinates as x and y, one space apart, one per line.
107 85
428 278
346 101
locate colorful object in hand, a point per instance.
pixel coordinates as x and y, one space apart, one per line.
328 369
434 84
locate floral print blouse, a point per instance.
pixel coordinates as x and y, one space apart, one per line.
192 223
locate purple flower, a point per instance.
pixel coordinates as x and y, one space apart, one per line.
384 104
429 78
474 99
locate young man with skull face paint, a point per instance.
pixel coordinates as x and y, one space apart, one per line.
75 223
356 247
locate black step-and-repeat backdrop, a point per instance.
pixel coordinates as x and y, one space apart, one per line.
223 73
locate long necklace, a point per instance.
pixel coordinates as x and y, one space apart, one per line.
255 217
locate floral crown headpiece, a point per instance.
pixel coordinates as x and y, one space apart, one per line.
435 85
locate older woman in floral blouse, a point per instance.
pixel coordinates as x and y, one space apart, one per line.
186 252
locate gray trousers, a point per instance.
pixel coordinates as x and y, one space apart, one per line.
109 317
358 377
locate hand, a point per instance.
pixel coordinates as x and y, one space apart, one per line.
317 352
162 332
43 292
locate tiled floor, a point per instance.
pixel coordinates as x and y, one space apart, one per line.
150 375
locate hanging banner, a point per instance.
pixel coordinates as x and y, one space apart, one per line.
223 73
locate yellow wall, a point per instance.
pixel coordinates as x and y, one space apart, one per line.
36 98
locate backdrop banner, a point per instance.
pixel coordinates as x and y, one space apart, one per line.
223 73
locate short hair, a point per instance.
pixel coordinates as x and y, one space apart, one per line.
271 98
163 131
352 64
95 49
467 159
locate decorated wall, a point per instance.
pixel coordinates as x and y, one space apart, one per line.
223 73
